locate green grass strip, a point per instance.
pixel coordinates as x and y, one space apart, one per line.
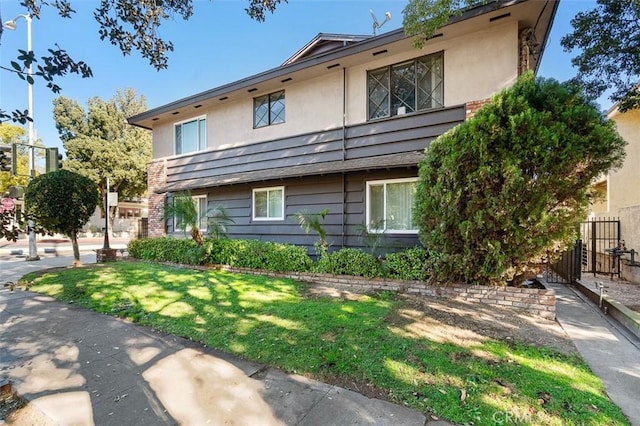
373 344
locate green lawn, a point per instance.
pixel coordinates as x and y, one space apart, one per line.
367 342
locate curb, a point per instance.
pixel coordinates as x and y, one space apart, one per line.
625 316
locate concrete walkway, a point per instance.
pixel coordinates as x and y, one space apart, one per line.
79 367
610 350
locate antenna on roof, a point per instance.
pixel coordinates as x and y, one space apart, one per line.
377 25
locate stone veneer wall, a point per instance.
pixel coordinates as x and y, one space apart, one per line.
473 107
539 302
156 178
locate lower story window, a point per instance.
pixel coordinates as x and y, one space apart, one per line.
184 222
268 203
390 205
201 205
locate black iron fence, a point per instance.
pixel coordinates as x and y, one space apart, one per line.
565 269
594 253
599 237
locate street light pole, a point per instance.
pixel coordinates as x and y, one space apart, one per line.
11 25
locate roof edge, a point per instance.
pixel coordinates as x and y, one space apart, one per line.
367 44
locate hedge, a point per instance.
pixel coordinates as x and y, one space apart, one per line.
410 264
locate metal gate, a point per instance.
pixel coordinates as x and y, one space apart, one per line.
566 269
599 237
143 228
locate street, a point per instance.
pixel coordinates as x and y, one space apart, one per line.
56 246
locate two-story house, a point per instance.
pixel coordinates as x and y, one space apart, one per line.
341 125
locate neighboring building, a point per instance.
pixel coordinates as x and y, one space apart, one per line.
341 125
130 219
621 190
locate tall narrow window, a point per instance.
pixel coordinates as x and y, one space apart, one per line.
406 87
268 203
269 109
184 222
390 205
191 136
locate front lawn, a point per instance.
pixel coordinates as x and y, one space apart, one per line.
373 344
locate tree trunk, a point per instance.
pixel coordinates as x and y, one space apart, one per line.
76 250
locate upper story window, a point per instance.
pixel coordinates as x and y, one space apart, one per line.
191 136
406 87
269 109
268 203
390 205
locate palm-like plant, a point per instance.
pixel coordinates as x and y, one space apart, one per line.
311 222
184 211
217 221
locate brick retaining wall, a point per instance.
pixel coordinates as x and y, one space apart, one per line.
539 302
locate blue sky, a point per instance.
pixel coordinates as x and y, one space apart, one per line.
218 45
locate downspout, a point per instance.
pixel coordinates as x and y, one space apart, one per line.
344 150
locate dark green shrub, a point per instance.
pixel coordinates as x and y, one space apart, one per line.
267 255
349 261
512 182
165 249
409 264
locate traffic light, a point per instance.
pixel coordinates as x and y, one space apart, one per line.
7 158
53 160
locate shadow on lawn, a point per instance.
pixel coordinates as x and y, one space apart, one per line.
372 345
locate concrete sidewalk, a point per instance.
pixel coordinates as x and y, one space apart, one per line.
80 367
611 351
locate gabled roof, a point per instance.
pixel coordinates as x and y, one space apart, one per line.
323 43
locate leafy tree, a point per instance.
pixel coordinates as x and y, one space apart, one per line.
512 182
129 25
184 211
62 202
100 144
10 134
421 18
608 41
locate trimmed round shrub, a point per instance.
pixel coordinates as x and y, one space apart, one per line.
349 261
409 264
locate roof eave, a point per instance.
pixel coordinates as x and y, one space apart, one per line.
352 49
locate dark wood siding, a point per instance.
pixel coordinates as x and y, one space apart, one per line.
311 194
412 132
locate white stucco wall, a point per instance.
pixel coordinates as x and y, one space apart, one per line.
475 65
624 188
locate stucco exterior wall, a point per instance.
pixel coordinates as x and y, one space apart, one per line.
623 184
311 105
475 67
317 104
622 191
630 231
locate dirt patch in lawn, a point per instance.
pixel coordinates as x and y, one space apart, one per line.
463 323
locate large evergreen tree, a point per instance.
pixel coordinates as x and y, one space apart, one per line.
512 182
99 143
